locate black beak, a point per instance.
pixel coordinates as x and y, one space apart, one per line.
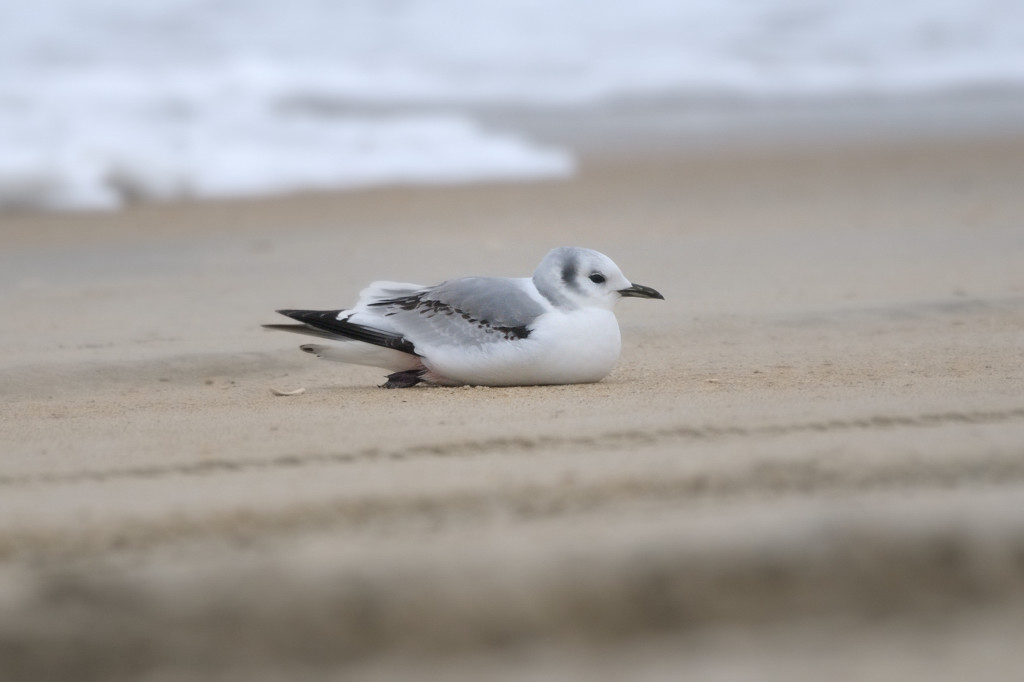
640 291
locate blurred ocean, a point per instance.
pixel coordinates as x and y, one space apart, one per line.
104 102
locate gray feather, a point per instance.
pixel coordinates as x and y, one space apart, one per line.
465 310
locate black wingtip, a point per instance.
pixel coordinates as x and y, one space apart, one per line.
327 321
311 315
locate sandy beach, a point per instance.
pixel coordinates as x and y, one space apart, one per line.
808 464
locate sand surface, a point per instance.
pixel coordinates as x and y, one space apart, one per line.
809 463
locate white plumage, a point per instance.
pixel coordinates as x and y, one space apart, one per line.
556 327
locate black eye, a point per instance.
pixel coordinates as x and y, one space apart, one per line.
597 278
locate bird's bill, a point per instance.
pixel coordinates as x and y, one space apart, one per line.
640 291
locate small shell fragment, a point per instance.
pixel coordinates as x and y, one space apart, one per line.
298 391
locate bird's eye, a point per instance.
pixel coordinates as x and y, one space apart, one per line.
597 278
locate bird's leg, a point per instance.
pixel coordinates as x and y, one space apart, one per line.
406 379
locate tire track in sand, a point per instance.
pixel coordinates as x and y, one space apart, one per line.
470 448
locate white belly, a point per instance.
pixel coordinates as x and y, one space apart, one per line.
578 347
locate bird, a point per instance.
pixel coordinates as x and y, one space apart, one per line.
556 327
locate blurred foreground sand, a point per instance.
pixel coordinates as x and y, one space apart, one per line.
809 463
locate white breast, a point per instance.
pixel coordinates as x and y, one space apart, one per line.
581 346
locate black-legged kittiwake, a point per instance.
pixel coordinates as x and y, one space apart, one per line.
556 327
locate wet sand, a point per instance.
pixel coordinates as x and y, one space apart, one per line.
809 463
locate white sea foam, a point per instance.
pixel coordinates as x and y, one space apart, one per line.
108 101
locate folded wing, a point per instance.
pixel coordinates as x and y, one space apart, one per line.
465 311
405 317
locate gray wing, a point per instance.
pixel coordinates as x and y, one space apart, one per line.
464 311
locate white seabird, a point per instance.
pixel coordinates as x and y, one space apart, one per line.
556 327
